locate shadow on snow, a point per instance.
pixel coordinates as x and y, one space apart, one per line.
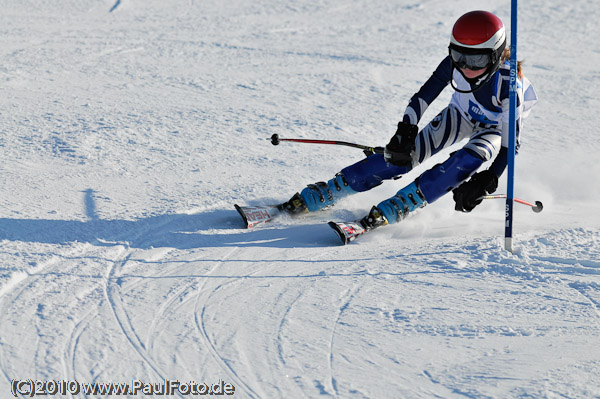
219 228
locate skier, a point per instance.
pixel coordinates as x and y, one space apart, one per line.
477 67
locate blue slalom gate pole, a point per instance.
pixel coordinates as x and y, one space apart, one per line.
512 140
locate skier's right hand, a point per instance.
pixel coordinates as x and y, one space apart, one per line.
401 147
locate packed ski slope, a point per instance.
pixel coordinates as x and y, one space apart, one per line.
129 128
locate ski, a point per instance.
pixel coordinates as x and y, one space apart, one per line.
255 215
348 231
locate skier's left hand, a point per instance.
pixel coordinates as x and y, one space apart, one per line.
468 195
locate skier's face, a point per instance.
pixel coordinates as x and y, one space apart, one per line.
471 74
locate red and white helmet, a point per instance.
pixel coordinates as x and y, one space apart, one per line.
477 34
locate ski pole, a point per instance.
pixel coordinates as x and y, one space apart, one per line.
537 207
275 140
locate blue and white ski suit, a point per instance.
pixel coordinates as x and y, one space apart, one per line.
480 116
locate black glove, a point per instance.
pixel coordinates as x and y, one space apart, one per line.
401 147
468 195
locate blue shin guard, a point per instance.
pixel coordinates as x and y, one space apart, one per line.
445 177
320 195
371 172
431 185
400 205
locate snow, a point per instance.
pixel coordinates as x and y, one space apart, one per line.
130 128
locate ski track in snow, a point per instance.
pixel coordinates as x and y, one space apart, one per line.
123 319
128 135
345 305
531 269
200 322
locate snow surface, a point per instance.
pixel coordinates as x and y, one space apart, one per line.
130 127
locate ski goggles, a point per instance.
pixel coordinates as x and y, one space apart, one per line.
473 62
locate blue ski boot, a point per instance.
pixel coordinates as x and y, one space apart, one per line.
398 207
318 196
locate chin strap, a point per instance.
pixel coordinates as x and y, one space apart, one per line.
477 86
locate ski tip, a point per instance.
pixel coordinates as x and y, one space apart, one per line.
339 232
257 215
242 214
